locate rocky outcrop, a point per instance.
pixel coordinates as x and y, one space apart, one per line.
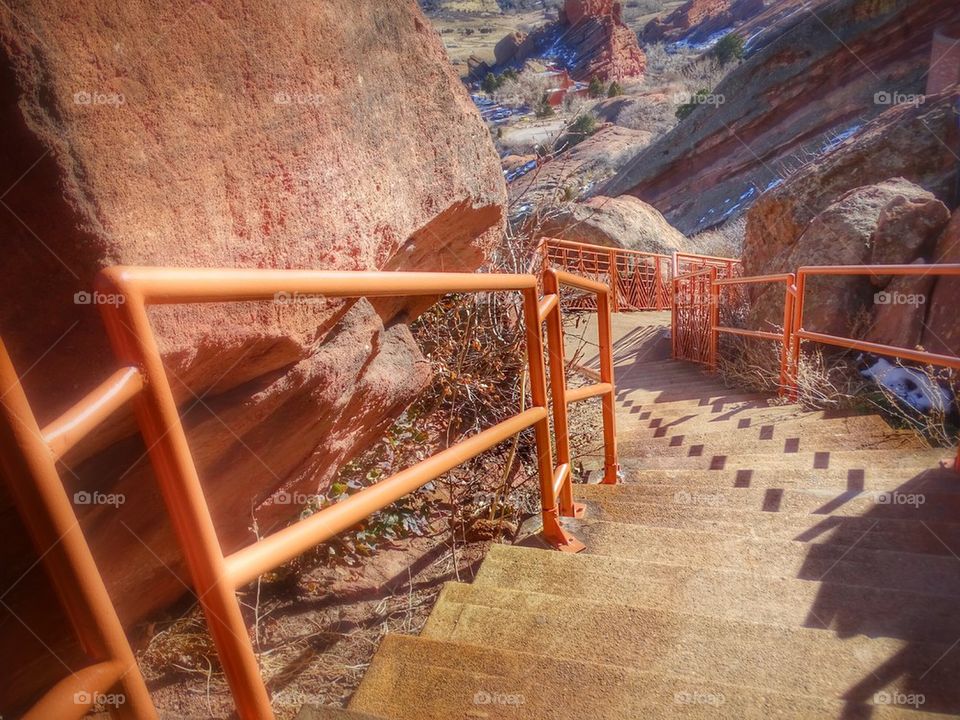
941 331
893 222
909 141
697 20
624 222
590 39
794 99
330 136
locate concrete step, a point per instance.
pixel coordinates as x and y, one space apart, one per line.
820 562
790 660
430 679
695 458
924 537
837 480
900 504
773 599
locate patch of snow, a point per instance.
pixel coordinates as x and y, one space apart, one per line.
912 386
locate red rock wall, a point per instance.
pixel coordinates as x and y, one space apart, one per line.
271 134
944 62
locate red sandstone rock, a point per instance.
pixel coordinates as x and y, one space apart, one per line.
941 331
783 104
699 19
328 135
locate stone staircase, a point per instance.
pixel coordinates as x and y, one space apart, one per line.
758 561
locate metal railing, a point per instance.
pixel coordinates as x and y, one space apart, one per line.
638 280
696 313
29 456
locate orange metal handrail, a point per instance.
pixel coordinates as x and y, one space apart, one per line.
27 459
216 576
28 455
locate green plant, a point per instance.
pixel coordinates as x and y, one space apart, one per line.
596 87
684 111
544 108
729 48
615 89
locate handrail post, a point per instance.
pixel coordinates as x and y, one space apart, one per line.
611 467
674 282
558 396
714 319
553 532
614 279
788 304
49 516
795 329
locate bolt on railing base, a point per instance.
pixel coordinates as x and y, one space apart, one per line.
558 538
579 511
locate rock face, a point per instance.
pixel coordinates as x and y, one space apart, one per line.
590 37
697 20
913 142
941 331
793 99
892 222
615 222
329 136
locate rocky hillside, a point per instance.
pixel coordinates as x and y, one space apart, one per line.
815 81
329 135
697 21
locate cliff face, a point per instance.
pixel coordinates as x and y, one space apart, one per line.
795 97
697 20
327 136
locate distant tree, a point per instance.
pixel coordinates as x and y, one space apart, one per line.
544 108
489 83
688 107
615 89
596 87
580 129
729 48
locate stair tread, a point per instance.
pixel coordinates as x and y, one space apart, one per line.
775 599
432 679
792 660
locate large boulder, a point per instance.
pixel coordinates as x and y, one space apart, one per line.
624 222
909 141
941 331
893 222
331 136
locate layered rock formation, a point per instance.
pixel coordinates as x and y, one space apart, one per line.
590 39
697 20
331 136
792 99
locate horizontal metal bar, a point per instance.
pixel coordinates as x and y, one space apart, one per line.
750 333
586 392
74 696
548 303
248 564
878 349
560 477
698 273
782 277
565 278
572 244
681 256
934 269
160 285
68 429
